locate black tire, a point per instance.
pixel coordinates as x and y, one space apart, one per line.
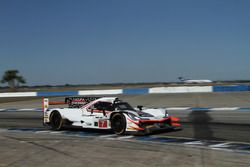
118 123
56 121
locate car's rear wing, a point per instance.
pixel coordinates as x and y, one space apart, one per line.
73 102
47 103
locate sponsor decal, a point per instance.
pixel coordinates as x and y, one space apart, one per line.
78 102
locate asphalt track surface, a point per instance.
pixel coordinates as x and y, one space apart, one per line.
213 125
199 127
224 126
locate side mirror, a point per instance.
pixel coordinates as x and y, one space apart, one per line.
91 109
140 107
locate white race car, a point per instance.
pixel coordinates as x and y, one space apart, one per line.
106 113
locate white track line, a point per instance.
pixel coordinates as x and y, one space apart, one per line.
56 132
125 137
108 136
26 109
224 108
43 131
194 143
221 145
178 108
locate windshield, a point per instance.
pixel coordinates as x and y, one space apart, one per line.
123 106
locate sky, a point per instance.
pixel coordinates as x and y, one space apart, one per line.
59 42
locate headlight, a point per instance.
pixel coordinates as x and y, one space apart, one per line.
133 116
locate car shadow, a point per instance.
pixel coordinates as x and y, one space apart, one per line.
109 131
89 130
160 131
200 121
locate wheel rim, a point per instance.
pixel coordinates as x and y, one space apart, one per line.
118 124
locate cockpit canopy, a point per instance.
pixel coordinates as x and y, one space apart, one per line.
107 106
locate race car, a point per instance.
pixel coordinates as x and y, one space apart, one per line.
107 113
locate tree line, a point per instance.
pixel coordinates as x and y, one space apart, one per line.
13 79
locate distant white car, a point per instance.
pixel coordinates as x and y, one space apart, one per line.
194 81
190 81
106 113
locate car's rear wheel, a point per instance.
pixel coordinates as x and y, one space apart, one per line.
56 121
118 123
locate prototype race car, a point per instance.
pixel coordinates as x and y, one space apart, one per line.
106 113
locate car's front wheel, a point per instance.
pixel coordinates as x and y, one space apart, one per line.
56 121
118 123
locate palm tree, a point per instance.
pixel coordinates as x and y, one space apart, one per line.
12 78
